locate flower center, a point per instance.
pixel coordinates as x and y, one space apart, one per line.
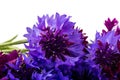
109 61
54 44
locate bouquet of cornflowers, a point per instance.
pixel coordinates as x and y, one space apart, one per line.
57 50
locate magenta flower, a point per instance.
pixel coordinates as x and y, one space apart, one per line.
110 24
6 58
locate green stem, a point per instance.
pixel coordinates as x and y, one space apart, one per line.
21 50
13 43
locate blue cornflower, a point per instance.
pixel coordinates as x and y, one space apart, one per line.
22 69
105 52
55 38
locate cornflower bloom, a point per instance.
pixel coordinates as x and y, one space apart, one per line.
55 38
105 51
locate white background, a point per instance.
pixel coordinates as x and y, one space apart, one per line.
16 15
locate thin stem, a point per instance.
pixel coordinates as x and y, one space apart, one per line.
9 50
13 43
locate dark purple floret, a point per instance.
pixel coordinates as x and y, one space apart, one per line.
55 45
110 24
6 58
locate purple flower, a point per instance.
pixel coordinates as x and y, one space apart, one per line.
83 71
105 52
110 24
6 58
55 38
22 69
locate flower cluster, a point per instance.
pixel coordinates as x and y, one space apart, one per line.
105 51
57 50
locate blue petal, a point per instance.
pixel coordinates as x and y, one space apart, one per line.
29 30
76 50
60 20
41 22
51 22
75 37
